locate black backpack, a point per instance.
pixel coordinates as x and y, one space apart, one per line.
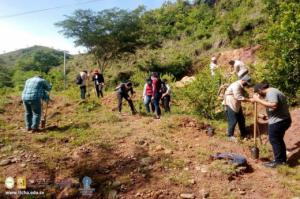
78 79
163 87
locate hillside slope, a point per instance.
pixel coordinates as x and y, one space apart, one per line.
134 156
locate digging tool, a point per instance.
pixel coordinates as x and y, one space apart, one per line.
43 121
255 149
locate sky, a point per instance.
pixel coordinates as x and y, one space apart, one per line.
21 31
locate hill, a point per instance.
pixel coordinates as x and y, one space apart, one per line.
10 58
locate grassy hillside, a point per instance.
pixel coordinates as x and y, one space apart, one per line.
11 58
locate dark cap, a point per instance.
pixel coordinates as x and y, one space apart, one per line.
261 86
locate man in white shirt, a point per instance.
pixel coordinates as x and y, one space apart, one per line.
233 99
239 68
213 65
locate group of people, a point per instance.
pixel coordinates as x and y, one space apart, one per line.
83 78
155 91
275 102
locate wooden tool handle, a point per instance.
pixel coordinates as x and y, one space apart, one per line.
255 122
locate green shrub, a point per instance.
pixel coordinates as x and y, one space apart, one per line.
201 95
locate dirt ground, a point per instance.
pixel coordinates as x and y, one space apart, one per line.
135 156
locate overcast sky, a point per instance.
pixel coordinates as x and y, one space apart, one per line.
38 28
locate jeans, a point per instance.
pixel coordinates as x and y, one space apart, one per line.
148 103
166 102
98 89
120 97
156 104
276 133
33 111
233 118
82 92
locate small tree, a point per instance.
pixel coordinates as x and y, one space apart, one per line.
283 46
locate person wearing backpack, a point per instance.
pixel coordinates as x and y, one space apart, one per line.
166 95
81 80
122 92
156 86
147 95
98 80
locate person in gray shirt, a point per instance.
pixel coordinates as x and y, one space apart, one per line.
279 119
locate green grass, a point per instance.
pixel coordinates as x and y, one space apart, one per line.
181 178
223 167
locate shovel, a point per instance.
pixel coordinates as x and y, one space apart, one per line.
43 121
255 149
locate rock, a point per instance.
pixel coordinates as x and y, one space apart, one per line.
204 169
168 152
112 194
242 192
187 195
23 165
192 181
205 194
4 162
145 161
116 184
159 148
186 169
14 160
138 194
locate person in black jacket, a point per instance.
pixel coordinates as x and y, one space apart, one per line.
122 92
98 82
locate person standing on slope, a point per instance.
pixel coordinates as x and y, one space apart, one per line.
233 99
279 119
98 83
213 66
156 85
166 95
147 95
36 89
239 68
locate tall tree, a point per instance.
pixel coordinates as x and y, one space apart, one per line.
106 34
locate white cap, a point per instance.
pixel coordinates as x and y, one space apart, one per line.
213 59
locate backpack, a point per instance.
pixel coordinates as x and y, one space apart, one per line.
221 92
78 79
163 87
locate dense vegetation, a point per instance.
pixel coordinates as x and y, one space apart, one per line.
176 40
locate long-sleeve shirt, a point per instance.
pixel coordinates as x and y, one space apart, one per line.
98 79
234 96
36 88
123 90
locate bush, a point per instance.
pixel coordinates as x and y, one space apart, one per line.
282 47
201 95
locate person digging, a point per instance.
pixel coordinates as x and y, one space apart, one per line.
233 99
122 92
35 90
279 119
